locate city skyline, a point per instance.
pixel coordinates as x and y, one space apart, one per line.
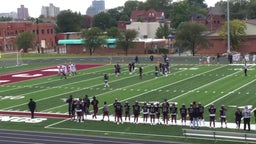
34 7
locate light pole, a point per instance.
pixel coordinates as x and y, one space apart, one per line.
228 27
5 41
37 36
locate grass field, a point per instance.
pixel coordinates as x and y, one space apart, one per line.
209 84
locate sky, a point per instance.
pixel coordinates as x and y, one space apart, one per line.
34 6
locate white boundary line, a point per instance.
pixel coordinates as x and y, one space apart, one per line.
66 92
50 81
117 90
203 86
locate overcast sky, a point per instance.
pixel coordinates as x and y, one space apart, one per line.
34 6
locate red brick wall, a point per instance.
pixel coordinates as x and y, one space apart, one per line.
218 45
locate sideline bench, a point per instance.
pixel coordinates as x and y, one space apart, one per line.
188 133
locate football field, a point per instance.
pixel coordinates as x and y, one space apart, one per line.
218 84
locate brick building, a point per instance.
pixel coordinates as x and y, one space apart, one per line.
218 45
150 15
9 30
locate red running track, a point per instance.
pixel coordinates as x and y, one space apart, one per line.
37 73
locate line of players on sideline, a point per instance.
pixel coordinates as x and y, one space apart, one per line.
155 112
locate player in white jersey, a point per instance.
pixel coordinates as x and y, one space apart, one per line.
64 71
72 69
59 69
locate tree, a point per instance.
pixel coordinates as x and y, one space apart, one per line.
163 31
125 41
189 36
104 21
237 32
87 22
68 21
25 40
92 38
6 18
180 13
132 5
251 9
159 5
113 32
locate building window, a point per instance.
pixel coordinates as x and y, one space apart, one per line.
42 31
48 31
51 31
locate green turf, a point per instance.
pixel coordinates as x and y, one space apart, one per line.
218 84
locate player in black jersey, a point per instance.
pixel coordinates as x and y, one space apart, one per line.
212 112
95 103
145 111
152 113
136 112
140 72
119 111
165 111
127 111
156 71
106 78
173 111
223 119
158 112
183 114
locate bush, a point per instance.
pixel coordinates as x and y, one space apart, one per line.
163 51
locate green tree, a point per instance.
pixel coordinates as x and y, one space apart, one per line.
92 38
132 5
104 21
115 13
25 40
125 41
6 18
163 31
68 21
189 36
237 32
159 5
180 13
113 32
251 9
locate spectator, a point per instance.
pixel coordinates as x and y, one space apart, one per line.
95 103
105 111
246 115
238 116
32 107
70 102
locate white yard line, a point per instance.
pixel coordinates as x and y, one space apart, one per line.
202 86
46 82
66 92
230 93
115 90
160 87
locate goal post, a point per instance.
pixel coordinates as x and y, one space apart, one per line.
10 59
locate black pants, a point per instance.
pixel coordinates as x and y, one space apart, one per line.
32 113
247 122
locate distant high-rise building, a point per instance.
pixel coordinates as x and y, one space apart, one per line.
50 11
96 7
10 14
22 13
